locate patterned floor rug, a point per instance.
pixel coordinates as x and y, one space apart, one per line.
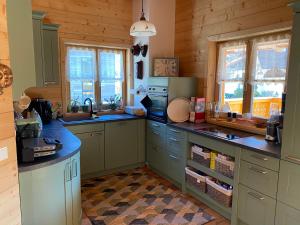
138 197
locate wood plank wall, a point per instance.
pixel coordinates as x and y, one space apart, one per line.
9 185
198 19
101 22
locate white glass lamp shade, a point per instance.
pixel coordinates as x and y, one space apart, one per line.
142 28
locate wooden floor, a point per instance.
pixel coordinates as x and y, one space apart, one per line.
218 221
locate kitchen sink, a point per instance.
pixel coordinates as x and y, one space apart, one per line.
78 118
227 134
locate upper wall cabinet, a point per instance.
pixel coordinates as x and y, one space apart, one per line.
291 134
46 50
21 50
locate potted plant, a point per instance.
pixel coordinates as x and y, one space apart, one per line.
114 102
75 105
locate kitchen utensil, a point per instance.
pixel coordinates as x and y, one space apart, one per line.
178 110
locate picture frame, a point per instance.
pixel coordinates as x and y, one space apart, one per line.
166 67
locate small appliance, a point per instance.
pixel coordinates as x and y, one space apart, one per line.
43 107
272 125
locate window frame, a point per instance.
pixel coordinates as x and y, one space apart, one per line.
97 84
248 86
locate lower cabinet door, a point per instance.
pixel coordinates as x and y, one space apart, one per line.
175 167
289 184
76 189
121 144
156 157
286 215
92 152
44 195
255 208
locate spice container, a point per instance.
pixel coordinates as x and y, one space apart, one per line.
213 156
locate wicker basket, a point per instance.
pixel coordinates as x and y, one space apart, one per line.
225 167
196 180
199 156
218 193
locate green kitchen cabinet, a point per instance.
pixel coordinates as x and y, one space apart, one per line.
286 215
121 144
37 24
255 208
156 146
291 136
21 47
92 153
50 46
51 195
289 184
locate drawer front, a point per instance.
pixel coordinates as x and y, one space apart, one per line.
259 178
289 184
86 128
176 146
255 208
175 168
156 137
261 160
286 215
175 133
159 127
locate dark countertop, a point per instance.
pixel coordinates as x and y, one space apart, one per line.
251 142
71 144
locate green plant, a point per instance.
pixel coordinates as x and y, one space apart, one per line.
75 105
114 102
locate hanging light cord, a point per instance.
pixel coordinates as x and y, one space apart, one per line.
143 14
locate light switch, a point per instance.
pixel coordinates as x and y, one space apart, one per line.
3 153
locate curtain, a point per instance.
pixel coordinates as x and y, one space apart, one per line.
269 58
81 63
111 65
232 61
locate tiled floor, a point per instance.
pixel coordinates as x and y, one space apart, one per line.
95 203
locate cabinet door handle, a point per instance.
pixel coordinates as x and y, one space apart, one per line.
175 131
294 159
258 170
154 132
257 196
173 157
74 168
68 172
259 157
173 139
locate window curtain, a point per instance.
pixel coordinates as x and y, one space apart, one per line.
81 64
111 65
232 61
269 58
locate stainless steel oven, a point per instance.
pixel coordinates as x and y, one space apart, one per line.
159 103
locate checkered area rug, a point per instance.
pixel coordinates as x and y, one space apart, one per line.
138 197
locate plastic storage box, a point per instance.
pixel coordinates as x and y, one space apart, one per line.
219 193
195 179
200 156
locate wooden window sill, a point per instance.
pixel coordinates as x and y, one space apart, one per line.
236 125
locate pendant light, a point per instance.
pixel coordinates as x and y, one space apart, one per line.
142 28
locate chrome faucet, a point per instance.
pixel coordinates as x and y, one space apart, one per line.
91 105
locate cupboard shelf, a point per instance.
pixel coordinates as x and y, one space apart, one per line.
210 172
224 211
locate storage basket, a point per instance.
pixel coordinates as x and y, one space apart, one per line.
218 193
196 180
199 156
225 167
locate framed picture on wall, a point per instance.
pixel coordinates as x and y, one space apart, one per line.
166 67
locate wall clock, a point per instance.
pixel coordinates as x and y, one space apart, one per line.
165 67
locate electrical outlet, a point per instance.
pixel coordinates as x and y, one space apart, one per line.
3 153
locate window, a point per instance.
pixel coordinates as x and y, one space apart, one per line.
258 87
96 73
